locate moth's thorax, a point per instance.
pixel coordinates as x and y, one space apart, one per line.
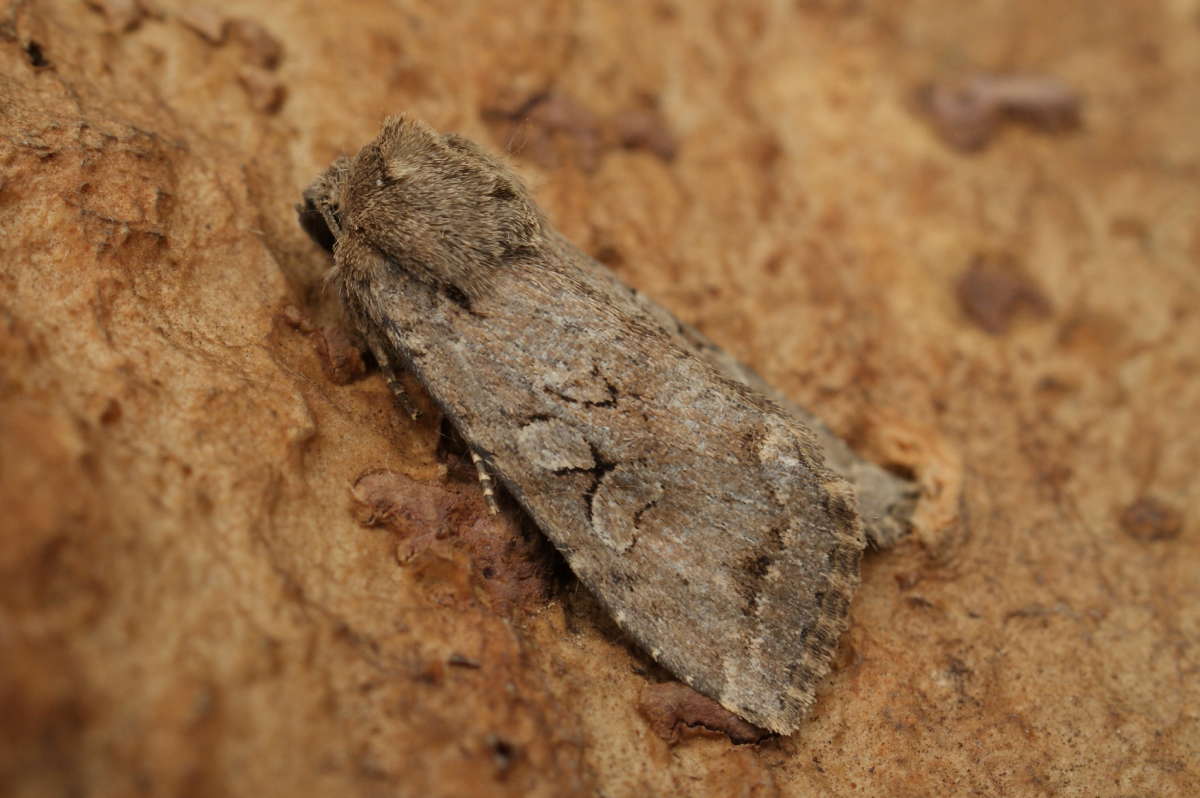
441 209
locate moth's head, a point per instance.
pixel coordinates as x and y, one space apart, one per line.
320 213
435 205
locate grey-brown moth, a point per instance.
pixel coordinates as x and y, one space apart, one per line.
697 507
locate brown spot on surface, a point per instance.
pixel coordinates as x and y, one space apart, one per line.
1098 337
261 48
645 129
1129 226
967 112
112 413
37 58
341 360
1148 519
551 127
610 256
994 289
504 754
265 91
675 711
548 128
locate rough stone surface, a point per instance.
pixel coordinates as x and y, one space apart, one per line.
213 578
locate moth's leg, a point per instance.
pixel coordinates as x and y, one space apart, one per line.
485 481
389 374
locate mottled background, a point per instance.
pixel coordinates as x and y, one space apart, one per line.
229 567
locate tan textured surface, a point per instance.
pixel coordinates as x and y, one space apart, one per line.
189 600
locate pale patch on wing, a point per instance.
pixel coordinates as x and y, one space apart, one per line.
554 445
621 498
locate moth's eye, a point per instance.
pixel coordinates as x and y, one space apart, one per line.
313 220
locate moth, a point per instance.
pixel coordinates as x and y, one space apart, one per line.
696 506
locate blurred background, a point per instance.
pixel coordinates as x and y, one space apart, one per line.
965 235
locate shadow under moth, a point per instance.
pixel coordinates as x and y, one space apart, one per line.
695 502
